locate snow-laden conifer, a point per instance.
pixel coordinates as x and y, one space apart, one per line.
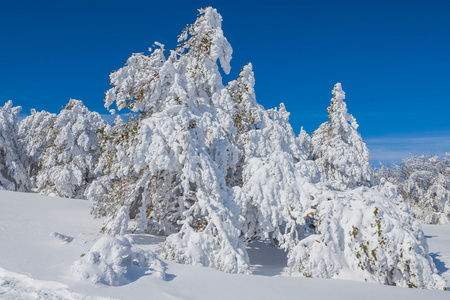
273 182
305 141
67 164
370 232
13 175
210 167
112 140
282 199
36 134
338 149
172 172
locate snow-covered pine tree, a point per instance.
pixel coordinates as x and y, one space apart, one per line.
13 175
368 231
281 200
209 166
372 234
35 135
272 183
172 171
67 164
338 149
305 141
112 140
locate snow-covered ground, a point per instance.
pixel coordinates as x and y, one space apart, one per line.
41 237
438 238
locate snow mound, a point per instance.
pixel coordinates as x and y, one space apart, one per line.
63 238
115 261
18 286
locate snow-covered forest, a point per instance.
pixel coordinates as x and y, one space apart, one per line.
201 166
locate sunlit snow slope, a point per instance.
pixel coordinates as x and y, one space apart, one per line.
37 251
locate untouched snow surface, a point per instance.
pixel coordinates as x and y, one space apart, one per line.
41 237
438 238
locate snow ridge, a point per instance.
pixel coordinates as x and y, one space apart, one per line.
18 286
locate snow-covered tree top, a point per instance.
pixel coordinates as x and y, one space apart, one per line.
189 74
9 112
206 34
340 119
338 149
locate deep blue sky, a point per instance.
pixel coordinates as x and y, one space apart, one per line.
392 58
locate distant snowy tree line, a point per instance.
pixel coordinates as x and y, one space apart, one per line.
206 165
424 181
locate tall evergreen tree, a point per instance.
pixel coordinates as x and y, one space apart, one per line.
170 176
305 141
338 149
273 183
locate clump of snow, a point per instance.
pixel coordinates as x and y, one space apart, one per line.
63 238
116 261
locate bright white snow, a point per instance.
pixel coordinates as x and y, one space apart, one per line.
36 265
438 238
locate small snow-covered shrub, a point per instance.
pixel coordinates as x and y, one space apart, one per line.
115 261
370 234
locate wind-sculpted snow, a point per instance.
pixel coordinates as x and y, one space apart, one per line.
18 286
116 261
62 237
370 234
